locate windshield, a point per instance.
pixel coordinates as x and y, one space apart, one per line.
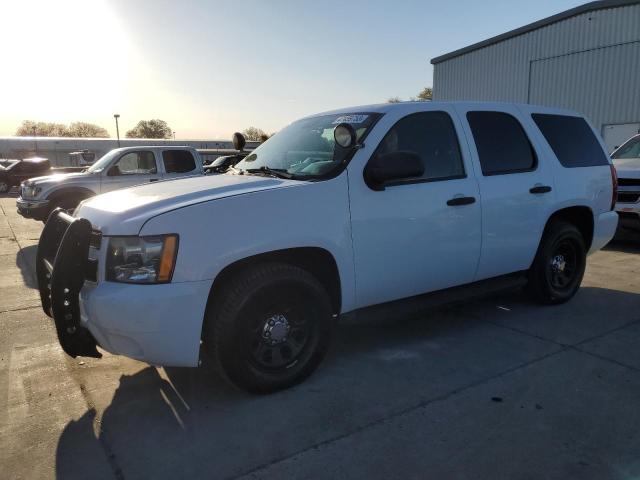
631 149
306 148
104 161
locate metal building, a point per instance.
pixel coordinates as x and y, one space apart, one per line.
586 59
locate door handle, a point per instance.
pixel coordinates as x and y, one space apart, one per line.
154 179
540 189
456 201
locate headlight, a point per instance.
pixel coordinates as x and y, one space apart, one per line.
30 191
141 259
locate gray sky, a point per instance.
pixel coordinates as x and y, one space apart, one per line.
210 68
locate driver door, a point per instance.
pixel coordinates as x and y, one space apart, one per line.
132 168
421 234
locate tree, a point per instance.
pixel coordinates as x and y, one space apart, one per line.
83 129
155 128
254 134
29 128
425 95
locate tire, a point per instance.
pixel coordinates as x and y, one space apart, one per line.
269 328
557 270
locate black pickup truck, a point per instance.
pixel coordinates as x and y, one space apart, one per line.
13 172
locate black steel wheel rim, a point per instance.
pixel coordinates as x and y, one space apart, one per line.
278 337
563 265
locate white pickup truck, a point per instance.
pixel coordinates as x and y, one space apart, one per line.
626 159
120 168
382 205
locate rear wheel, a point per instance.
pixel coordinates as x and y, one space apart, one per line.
557 271
269 328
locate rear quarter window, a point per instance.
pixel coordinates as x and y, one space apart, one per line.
572 140
178 161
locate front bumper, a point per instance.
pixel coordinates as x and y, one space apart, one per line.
160 324
36 209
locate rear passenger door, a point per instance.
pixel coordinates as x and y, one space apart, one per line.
178 163
516 187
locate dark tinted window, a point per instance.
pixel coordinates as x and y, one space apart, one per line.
178 161
432 136
572 140
502 145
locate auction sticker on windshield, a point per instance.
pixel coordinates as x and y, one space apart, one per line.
351 119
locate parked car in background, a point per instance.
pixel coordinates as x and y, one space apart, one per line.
120 168
82 158
370 207
222 164
626 159
13 172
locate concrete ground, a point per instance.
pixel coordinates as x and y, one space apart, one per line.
497 388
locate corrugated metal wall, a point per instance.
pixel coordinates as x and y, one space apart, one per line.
603 81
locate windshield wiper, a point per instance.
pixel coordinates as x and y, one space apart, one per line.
274 172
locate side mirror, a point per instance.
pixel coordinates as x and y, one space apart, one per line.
239 141
113 171
389 167
344 135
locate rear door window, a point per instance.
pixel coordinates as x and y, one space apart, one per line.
572 140
178 161
502 144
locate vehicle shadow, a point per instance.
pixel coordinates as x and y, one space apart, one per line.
189 423
626 241
26 262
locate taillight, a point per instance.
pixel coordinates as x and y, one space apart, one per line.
614 184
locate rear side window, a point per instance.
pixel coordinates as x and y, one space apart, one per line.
432 136
572 140
503 146
178 161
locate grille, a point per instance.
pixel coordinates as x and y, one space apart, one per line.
624 197
629 182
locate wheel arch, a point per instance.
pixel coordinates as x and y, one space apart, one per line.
316 260
581 216
70 191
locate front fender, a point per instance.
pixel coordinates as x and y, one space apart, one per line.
220 232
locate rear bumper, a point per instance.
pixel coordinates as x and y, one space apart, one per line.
36 209
604 228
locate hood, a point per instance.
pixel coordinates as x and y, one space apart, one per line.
124 212
57 178
627 167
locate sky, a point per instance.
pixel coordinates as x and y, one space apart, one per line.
210 68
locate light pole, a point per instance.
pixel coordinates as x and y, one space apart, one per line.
174 136
116 116
35 139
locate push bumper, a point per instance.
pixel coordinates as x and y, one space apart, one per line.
36 209
62 265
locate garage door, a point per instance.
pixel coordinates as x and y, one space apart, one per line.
601 83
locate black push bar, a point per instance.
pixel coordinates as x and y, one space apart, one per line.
62 265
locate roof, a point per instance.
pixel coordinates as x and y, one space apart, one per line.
587 7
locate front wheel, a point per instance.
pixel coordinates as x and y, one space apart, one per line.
556 273
270 327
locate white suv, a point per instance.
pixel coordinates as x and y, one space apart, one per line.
337 212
